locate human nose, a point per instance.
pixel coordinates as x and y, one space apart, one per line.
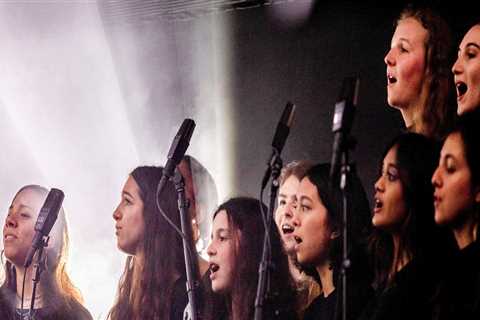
436 179
117 215
379 185
211 251
457 67
11 221
389 58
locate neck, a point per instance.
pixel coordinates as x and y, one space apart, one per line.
326 278
27 292
400 257
294 271
466 233
412 114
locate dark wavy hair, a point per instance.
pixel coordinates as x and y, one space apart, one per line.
358 216
60 295
244 215
416 160
149 294
439 110
468 127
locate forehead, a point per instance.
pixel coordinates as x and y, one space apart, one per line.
308 189
410 29
473 35
131 186
290 185
220 221
29 197
391 156
454 145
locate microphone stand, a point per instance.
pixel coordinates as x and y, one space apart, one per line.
190 261
39 267
345 170
263 286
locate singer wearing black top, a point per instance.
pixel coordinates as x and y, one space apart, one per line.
235 253
55 297
410 253
153 282
457 206
318 237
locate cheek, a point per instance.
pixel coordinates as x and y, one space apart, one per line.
413 71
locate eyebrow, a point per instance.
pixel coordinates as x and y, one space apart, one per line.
392 165
21 206
449 156
305 198
127 193
472 44
218 231
404 40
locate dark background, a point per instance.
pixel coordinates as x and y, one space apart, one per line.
274 62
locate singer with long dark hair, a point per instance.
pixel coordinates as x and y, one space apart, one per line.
56 297
235 253
318 237
419 81
457 206
409 251
153 282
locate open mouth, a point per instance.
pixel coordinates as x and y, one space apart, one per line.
287 229
378 204
214 267
298 240
461 89
391 79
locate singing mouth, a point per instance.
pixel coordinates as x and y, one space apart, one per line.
9 237
391 79
214 267
298 240
462 88
378 205
287 229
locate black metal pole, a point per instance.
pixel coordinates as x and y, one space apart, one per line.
190 261
263 285
38 266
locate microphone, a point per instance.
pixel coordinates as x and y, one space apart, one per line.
45 221
280 137
177 151
343 120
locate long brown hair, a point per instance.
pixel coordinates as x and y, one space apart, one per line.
147 285
60 296
439 111
245 217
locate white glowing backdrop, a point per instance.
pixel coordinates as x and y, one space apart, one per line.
65 123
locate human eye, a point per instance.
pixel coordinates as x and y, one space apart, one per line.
25 214
450 166
392 175
304 207
127 201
